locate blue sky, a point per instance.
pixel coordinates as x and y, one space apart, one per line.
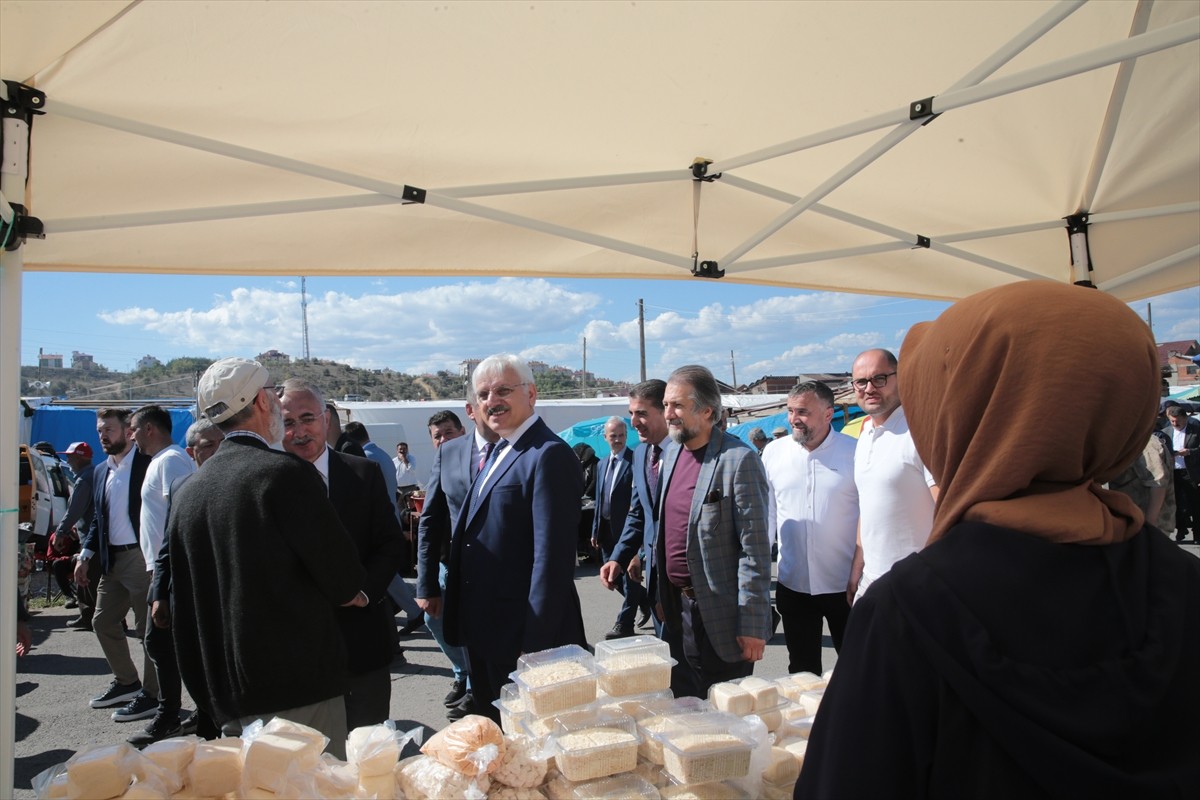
419 325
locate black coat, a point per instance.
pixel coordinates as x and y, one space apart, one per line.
260 563
999 665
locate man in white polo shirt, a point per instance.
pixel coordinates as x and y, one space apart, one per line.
896 494
813 514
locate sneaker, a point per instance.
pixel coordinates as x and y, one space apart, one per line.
618 632
163 726
117 694
141 707
189 725
457 692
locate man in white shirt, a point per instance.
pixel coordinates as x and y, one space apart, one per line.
151 428
813 513
896 492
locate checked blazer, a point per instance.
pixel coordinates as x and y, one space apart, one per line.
728 547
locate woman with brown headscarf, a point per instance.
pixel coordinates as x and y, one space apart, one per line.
1044 644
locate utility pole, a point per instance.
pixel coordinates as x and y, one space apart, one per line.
733 369
304 315
642 335
1150 318
583 377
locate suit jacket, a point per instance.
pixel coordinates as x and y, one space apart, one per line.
358 494
260 562
1191 442
511 585
641 524
96 538
619 499
728 546
82 499
446 494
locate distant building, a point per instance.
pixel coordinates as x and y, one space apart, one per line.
273 355
538 367
51 360
773 384
1177 358
82 361
145 362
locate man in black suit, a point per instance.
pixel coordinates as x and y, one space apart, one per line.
113 538
614 484
1184 434
260 563
511 583
359 493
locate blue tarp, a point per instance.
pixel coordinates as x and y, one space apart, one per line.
591 432
780 420
61 425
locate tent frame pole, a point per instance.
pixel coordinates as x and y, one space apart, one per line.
1190 253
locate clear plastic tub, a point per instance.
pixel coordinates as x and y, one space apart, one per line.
616 787
511 707
637 706
714 790
702 748
594 743
632 666
556 679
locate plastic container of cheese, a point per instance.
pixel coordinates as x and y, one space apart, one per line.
707 747
511 707
632 666
556 679
594 743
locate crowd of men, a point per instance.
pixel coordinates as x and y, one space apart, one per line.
293 511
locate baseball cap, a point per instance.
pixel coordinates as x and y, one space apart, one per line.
780 431
228 386
82 448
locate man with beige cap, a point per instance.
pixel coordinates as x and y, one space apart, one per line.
260 563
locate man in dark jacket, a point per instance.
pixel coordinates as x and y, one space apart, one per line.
260 564
359 492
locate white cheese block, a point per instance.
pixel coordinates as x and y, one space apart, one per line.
378 787
216 767
732 698
144 791
100 773
269 755
765 693
172 755
373 749
782 768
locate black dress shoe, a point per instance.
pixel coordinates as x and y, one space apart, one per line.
464 708
645 621
618 632
80 624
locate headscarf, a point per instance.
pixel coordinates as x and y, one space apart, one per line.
1023 399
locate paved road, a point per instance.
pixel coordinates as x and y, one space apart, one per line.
66 668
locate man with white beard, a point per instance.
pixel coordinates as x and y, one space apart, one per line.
260 562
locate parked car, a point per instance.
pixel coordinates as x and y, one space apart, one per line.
44 493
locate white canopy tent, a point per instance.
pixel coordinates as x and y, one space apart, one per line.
557 139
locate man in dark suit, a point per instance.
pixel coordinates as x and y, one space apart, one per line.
260 562
455 464
614 483
113 538
633 554
359 494
511 583
1184 434
73 525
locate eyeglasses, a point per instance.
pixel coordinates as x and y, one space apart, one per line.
878 381
500 392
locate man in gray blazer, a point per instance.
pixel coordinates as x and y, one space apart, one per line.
713 553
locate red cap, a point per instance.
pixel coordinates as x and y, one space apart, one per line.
82 448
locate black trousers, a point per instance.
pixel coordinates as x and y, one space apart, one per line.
700 666
1187 506
803 615
487 678
160 646
369 701
634 593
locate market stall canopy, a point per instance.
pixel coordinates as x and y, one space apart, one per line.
557 139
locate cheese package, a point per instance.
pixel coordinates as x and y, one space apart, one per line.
732 698
523 765
616 787
703 791
216 767
702 748
173 755
99 773
764 692
633 665
423 777
376 787
51 783
296 730
268 757
512 708
472 745
778 791
499 792
783 767
797 747
556 679
374 749
594 744
335 779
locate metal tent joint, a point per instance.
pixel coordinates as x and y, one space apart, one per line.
922 241
412 194
922 109
1077 237
708 269
700 170
21 227
22 101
